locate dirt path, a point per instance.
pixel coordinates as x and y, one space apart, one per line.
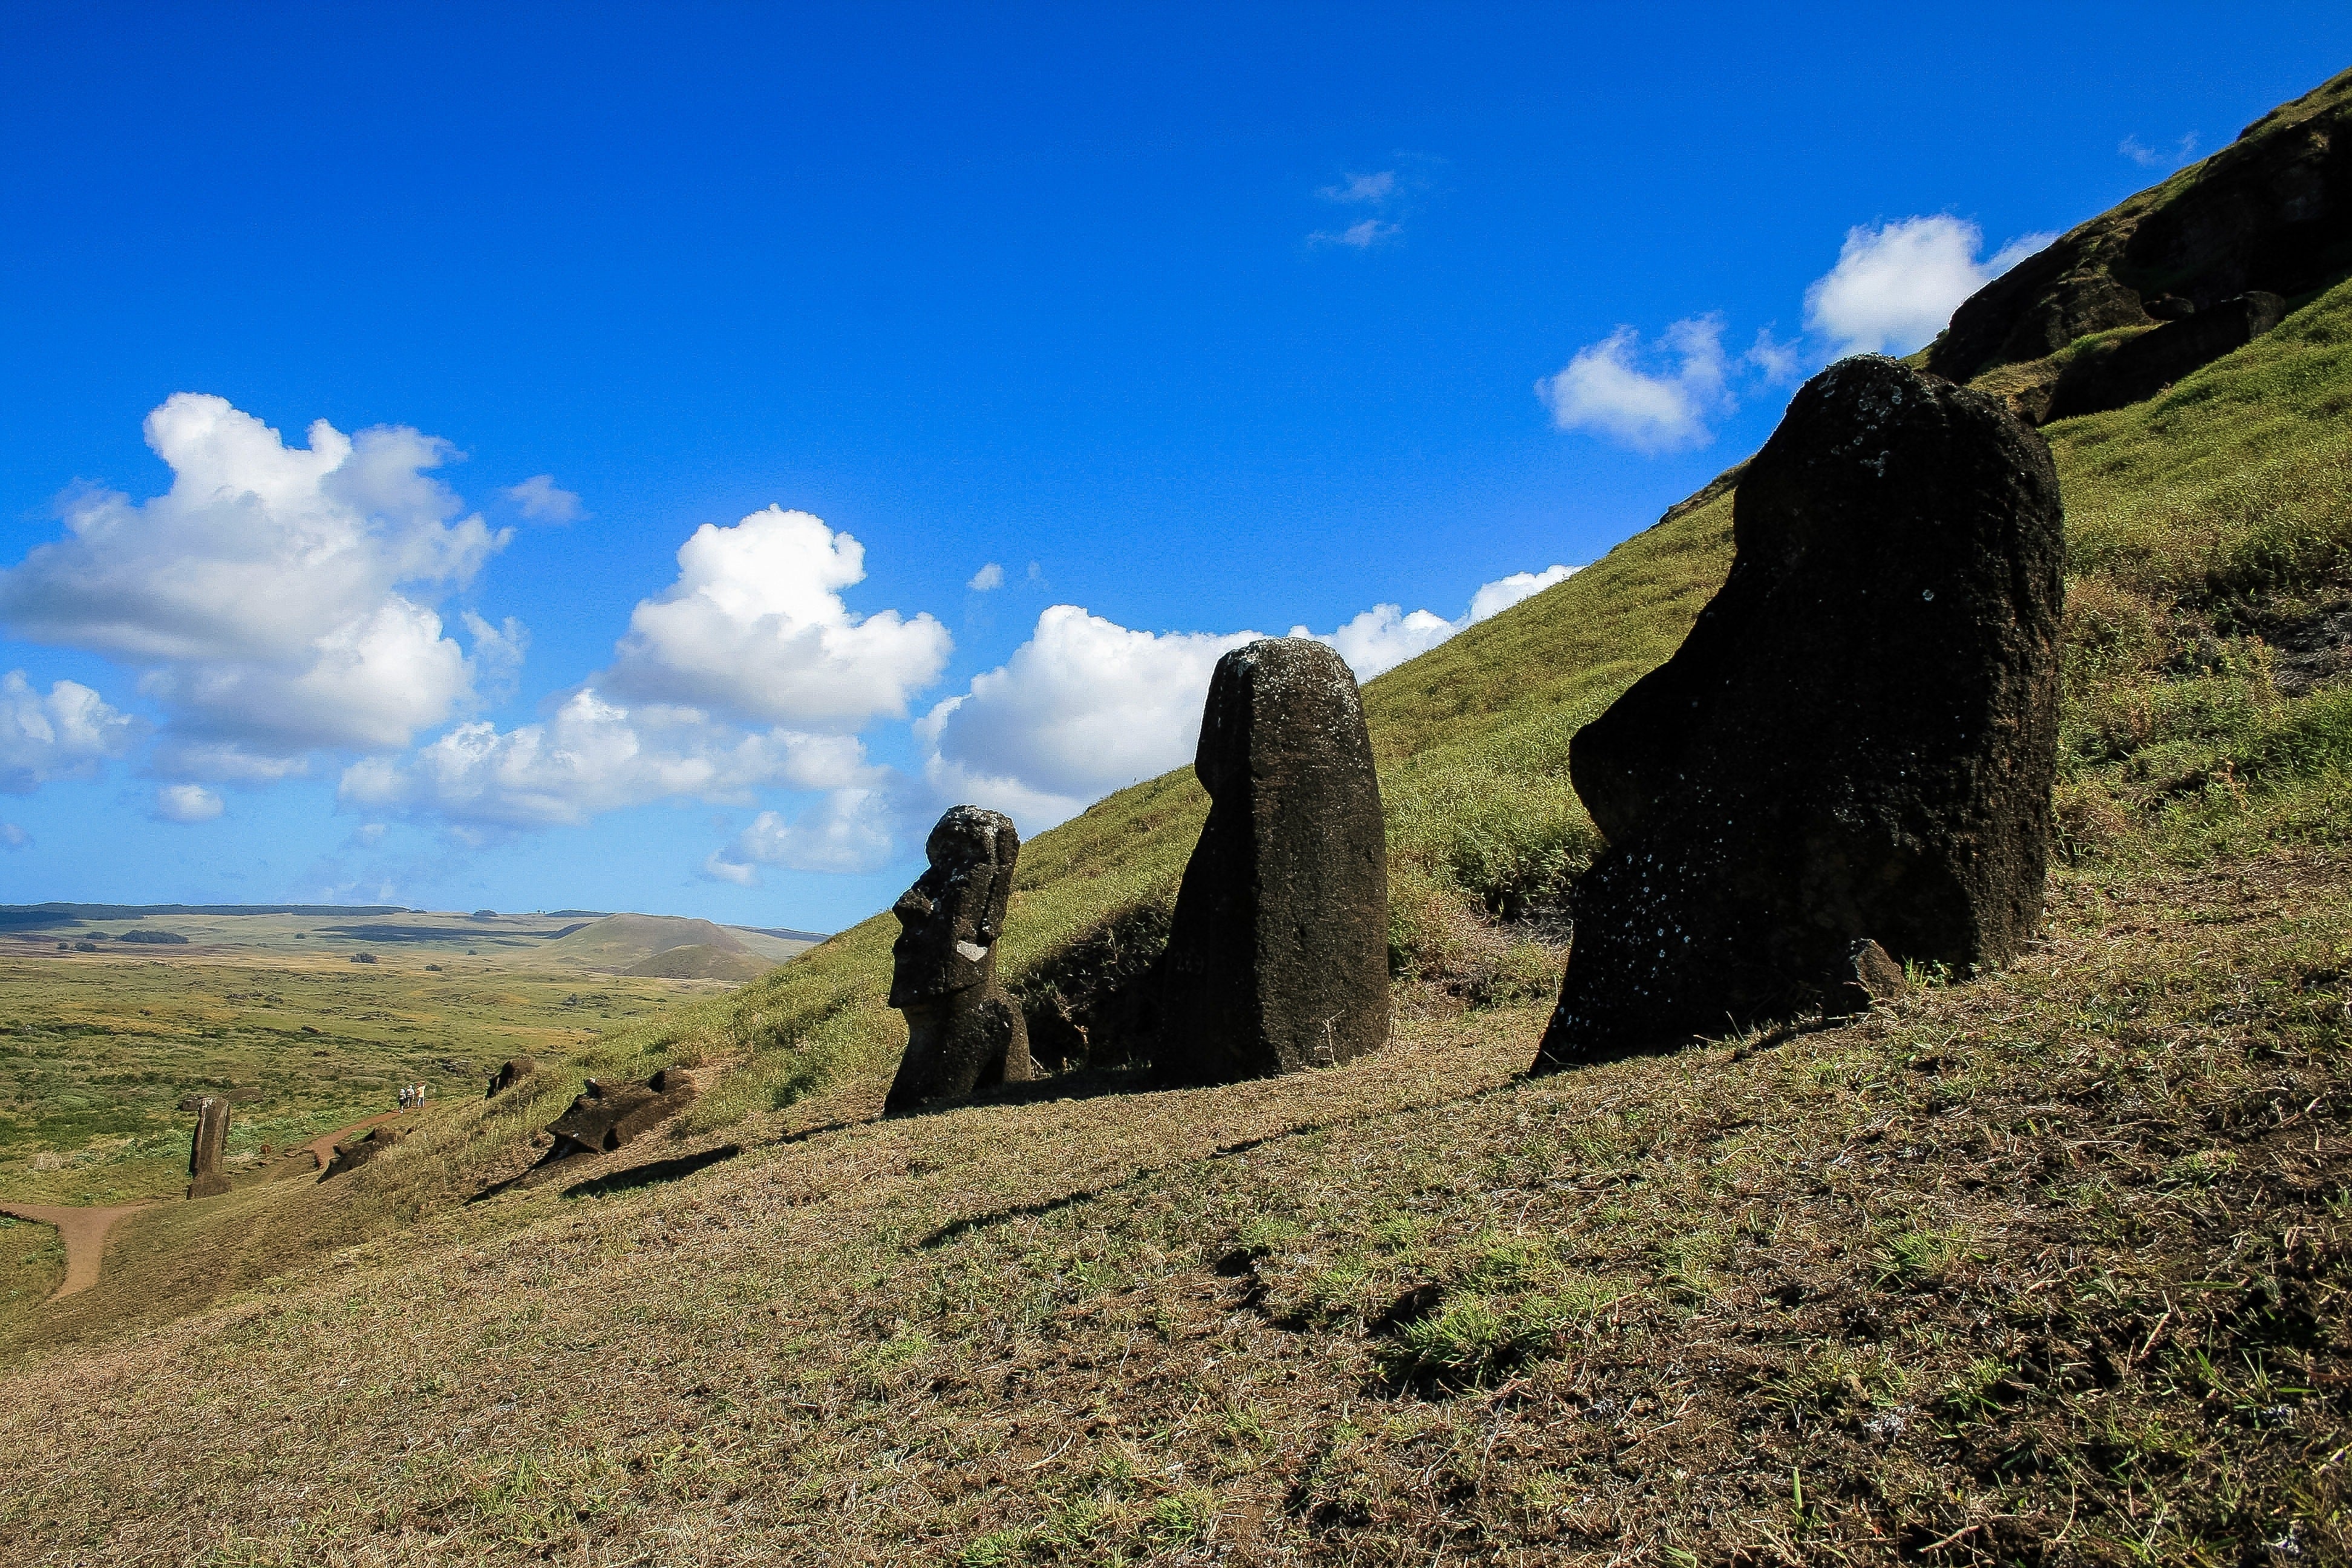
323 1148
82 1229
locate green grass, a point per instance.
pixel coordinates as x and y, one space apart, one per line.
96 1051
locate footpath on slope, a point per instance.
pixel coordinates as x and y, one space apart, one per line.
323 1148
83 1230
84 1227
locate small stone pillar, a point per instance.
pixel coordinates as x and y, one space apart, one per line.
963 1032
1277 957
204 1150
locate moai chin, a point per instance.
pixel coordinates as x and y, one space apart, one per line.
204 1150
1277 956
964 1033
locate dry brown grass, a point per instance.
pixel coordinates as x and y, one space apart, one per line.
2049 1267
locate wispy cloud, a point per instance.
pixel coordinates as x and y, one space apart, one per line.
186 803
1374 189
541 499
1360 235
988 577
1384 196
2148 157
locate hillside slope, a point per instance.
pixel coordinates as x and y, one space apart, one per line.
2051 1266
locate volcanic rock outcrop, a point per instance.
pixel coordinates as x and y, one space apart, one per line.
1857 742
2110 376
2271 214
963 1032
205 1150
606 1115
1277 957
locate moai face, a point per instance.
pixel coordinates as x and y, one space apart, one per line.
955 911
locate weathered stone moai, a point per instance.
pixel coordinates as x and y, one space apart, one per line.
1848 762
963 1032
606 1115
510 1073
205 1149
1277 957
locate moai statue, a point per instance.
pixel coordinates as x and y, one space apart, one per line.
963 1032
1277 958
1847 764
204 1150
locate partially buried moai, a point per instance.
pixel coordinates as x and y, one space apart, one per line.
1848 762
205 1150
1277 957
963 1032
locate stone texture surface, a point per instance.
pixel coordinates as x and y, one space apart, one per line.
1277 957
512 1071
205 1149
2140 367
359 1152
605 1116
964 1033
1857 742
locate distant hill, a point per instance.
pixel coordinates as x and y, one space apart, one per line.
700 961
620 941
26 917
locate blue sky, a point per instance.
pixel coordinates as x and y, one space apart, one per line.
1187 320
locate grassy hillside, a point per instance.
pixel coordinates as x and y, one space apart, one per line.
2053 1267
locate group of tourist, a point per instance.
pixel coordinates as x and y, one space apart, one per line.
412 1097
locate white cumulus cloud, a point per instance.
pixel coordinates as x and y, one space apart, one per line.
755 626
1895 287
67 735
279 600
186 803
1087 706
1493 598
592 756
988 577
1653 400
1084 706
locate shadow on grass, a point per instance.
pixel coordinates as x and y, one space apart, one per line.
652 1172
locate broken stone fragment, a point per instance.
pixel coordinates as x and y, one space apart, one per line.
360 1150
607 1115
512 1072
1855 745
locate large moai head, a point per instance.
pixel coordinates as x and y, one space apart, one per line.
1855 743
953 915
